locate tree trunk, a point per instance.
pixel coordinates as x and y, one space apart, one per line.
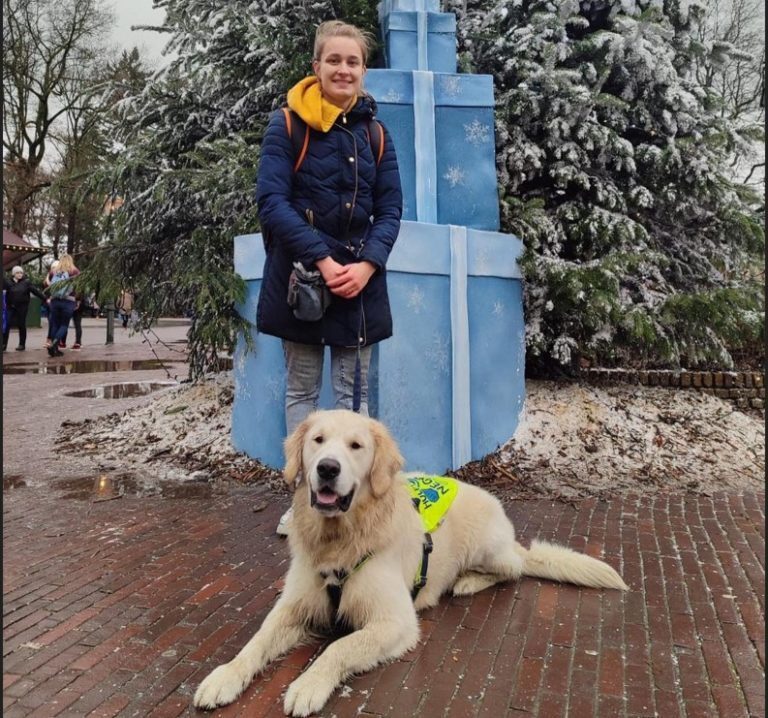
71 230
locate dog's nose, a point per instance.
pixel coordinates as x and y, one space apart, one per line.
328 469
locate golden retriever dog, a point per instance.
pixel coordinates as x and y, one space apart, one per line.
355 528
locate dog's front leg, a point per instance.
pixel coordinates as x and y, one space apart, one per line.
283 628
360 651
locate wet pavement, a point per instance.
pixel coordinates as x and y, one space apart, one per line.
85 366
120 596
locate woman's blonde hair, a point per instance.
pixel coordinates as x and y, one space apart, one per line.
66 263
337 28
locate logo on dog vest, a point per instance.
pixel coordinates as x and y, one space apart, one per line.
434 495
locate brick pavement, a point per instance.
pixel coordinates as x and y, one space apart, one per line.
120 608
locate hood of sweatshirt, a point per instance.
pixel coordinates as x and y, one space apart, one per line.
307 101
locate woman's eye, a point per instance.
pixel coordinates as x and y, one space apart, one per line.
355 445
318 439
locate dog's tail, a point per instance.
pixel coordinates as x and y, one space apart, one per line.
558 563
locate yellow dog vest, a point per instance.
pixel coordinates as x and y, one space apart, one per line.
432 496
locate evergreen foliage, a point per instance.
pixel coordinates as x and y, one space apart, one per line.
611 159
612 165
189 151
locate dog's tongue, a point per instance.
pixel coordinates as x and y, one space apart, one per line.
326 497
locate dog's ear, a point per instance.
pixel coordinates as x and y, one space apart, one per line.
293 447
387 460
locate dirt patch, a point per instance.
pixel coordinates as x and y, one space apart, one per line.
575 441
578 441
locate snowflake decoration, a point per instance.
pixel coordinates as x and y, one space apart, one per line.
498 308
477 133
439 354
416 300
454 176
391 96
451 86
484 260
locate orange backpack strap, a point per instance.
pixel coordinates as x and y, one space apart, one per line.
379 135
376 139
300 144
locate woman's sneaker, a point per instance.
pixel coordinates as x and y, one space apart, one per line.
284 524
75 347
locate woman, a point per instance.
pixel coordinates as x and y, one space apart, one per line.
62 302
339 215
17 302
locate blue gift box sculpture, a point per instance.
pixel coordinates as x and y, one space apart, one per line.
450 383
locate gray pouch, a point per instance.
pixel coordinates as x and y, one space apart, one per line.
307 294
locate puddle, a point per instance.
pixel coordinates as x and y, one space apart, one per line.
124 390
13 482
90 366
106 488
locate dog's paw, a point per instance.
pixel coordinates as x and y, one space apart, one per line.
471 582
222 686
307 694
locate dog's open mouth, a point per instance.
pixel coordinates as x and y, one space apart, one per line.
328 500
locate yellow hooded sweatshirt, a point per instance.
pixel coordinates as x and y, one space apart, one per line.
307 101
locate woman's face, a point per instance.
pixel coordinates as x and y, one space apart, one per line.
18 275
340 70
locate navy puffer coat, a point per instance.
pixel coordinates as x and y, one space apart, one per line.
338 204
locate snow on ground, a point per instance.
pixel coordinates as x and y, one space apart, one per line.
579 440
575 441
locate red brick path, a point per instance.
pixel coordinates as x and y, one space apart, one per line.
120 608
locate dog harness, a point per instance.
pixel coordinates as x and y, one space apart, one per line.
432 496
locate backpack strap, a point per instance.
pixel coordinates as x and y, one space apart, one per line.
293 124
376 139
300 143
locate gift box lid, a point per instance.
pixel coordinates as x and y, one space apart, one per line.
421 248
395 87
437 22
388 6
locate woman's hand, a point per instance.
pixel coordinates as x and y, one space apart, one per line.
351 279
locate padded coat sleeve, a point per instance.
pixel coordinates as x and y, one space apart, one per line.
387 207
274 186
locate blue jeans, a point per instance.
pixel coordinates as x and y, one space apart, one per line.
304 376
61 312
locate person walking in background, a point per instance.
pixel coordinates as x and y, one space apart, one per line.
62 302
17 302
125 306
77 320
332 222
46 284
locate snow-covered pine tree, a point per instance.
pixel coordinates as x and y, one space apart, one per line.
612 168
189 151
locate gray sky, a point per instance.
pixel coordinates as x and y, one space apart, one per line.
138 12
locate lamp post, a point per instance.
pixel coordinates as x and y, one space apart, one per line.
110 308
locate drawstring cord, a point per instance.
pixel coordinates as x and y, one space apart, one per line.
357 386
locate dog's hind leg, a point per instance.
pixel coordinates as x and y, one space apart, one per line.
502 564
472 582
